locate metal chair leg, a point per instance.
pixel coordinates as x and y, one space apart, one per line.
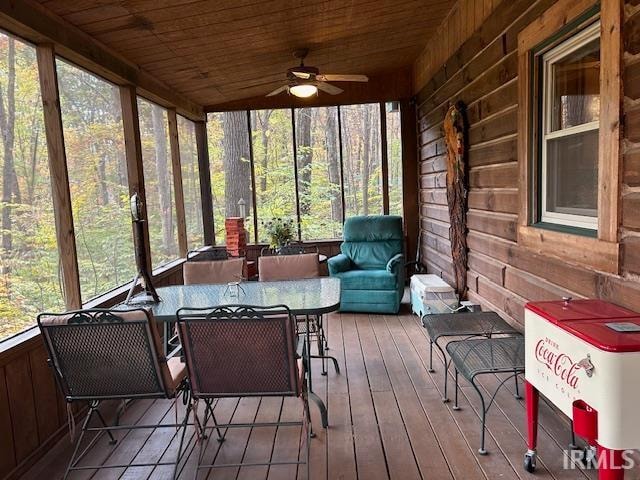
221 436
85 424
517 394
431 370
112 440
184 431
481 450
455 403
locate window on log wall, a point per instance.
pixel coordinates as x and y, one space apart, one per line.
29 263
94 143
158 181
190 182
569 122
568 140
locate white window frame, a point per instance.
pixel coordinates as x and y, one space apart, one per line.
549 58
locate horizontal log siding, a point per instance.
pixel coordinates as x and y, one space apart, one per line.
502 275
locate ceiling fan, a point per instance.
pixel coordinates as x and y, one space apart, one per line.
305 81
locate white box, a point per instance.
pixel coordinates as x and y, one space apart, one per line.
430 294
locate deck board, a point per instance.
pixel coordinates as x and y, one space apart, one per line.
387 421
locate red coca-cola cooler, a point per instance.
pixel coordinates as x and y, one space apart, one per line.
584 356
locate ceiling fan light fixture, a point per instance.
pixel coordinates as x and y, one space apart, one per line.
304 90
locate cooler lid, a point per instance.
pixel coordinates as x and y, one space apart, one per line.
586 309
600 335
430 283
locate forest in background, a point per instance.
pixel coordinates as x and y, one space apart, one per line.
30 280
319 163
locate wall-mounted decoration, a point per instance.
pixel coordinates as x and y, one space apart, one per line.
455 138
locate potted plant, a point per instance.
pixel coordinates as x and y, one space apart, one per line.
279 232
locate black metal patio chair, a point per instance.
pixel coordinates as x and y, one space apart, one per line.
244 351
99 355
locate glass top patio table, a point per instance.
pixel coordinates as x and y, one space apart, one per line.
314 296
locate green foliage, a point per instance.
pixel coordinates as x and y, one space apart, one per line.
279 231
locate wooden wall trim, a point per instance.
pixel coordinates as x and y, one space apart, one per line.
410 175
204 170
60 193
133 154
610 160
35 23
603 253
178 190
384 158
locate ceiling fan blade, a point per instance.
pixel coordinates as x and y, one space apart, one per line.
303 75
342 78
278 90
328 88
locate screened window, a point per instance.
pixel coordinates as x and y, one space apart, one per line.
272 140
158 181
362 159
190 182
230 163
29 265
94 143
318 157
570 103
394 156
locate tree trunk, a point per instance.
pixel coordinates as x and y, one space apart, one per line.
263 118
237 168
333 162
366 155
164 181
305 157
9 180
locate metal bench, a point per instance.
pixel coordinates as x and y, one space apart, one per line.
473 357
468 324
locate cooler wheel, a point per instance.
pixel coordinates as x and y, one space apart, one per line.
530 462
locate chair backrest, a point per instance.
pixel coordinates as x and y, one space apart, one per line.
240 350
207 255
105 354
288 267
218 271
370 242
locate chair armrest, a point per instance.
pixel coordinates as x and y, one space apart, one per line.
339 263
396 263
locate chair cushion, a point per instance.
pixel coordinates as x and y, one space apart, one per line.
367 280
288 267
371 255
174 373
213 271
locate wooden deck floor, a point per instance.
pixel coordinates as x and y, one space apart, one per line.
386 417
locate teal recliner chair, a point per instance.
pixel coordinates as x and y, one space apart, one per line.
371 265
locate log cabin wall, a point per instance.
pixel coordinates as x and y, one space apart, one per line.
503 275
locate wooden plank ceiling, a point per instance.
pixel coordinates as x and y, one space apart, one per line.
219 51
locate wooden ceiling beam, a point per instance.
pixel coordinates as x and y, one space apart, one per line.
36 24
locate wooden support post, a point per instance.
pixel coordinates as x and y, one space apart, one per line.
177 181
410 175
59 176
205 183
295 173
384 158
133 151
